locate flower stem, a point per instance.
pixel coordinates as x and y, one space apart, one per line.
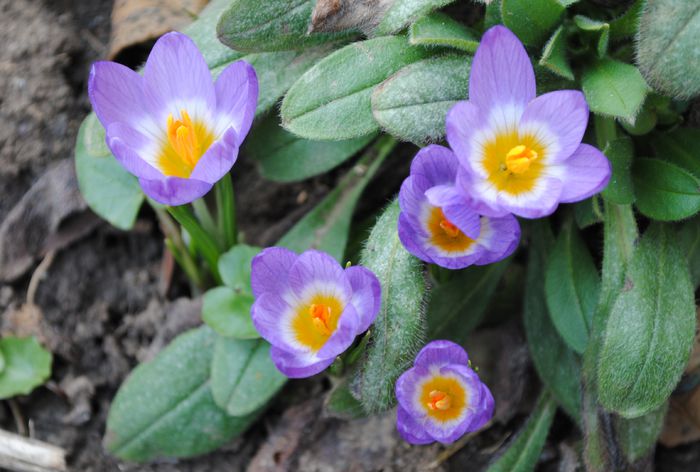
205 244
174 242
202 213
226 211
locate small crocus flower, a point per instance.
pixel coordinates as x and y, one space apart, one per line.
441 398
519 153
174 128
309 308
438 226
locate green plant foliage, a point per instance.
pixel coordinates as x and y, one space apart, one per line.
285 157
600 28
438 29
667 47
166 409
637 436
689 240
457 306
270 25
327 226
203 32
554 55
681 147
321 106
404 12
571 288
627 25
614 88
555 362
340 403
26 365
644 122
665 191
649 334
399 329
532 20
243 377
587 212
234 267
413 103
522 454
620 189
228 313
109 190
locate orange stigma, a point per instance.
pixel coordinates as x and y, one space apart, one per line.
449 228
519 158
439 400
183 138
320 316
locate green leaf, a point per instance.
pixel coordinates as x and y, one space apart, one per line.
614 88
620 189
650 331
438 29
681 147
571 288
270 25
665 191
587 212
457 306
638 436
644 122
626 25
234 267
285 157
399 329
555 363
243 377
413 103
109 190
600 28
531 20
340 403
667 47
26 366
228 313
523 453
327 226
321 106
404 12
203 32
165 407
554 55
689 240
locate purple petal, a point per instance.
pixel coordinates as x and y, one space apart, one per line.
541 201
440 353
501 72
409 239
463 122
344 334
116 93
479 194
466 219
500 240
433 165
218 160
484 411
587 172
297 366
405 390
270 269
270 314
410 430
316 267
366 295
410 200
123 141
237 96
177 77
174 191
558 120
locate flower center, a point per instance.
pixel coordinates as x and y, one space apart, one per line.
316 319
320 317
519 158
449 228
444 234
185 143
439 400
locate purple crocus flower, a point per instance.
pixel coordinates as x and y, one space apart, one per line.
437 225
309 308
520 154
441 398
173 128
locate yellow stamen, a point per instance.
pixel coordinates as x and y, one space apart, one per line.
449 228
320 316
439 400
183 138
519 158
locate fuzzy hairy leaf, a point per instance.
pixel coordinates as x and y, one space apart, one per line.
404 12
438 29
638 436
689 240
399 328
554 55
614 88
650 331
620 189
665 191
681 147
667 46
166 409
413 103
531 20
321 106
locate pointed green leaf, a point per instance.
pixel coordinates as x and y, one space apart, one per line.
554 55
399 329
620 189
243 377
322 106
626 26
614 88
665 191
650 331
413 103
26 366
228 313
166 409
531 20
404 12
438 29
600 28
681 147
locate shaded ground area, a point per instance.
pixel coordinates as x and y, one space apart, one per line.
105 301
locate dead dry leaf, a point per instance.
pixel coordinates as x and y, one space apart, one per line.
341 15
137 21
